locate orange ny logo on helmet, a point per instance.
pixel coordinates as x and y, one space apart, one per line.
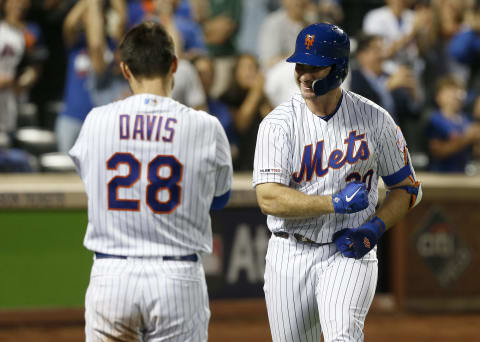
366 242
309 39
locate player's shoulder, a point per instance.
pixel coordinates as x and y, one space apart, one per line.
146 103
207 117
102 110
364 107
199 117
284 115
195 114
284 112
120 103
289 107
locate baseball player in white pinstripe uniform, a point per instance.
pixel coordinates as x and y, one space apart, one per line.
317 163
152 169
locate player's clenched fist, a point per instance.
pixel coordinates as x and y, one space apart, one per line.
352 198
356 242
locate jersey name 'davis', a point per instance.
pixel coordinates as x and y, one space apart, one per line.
151 127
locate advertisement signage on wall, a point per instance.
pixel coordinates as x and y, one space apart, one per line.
236 266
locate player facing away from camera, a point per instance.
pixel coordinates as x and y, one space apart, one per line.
311 154
152 169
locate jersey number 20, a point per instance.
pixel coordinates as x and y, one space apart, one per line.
156 183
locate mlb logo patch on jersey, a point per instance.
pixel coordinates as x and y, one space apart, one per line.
270 171
401 143
152 102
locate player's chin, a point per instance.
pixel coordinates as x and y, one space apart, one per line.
308 93
306 88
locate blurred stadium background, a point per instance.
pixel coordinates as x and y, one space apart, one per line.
429 281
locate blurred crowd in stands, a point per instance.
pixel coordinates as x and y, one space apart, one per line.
418 59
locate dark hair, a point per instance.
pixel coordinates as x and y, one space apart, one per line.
364 40
148 50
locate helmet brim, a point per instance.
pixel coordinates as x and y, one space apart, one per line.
310 59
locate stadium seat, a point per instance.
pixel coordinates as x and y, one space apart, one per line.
36 140
56 162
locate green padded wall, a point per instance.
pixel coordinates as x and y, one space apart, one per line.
42 259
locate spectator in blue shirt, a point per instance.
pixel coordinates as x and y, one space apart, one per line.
90 51
451 134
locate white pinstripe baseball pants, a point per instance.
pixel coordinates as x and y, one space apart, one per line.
314 290
138 299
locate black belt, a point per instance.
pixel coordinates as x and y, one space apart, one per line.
190 257
301 238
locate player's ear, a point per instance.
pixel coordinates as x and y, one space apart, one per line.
126 71
174 65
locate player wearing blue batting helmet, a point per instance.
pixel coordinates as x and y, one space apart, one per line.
323 45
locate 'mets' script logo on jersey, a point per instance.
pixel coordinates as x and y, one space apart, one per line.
313 162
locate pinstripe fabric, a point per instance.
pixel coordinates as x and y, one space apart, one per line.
151 168
309 290
146 300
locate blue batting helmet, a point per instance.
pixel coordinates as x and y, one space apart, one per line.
323 45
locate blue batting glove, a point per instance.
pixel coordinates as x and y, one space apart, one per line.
343 242
356 242
352 198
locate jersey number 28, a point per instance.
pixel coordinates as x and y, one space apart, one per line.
156 183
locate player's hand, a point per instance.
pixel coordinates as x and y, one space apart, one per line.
356 242
352 198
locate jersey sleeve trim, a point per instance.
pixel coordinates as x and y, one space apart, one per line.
221 201
398 176
281 179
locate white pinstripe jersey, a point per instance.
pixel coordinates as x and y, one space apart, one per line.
151 167
317 157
